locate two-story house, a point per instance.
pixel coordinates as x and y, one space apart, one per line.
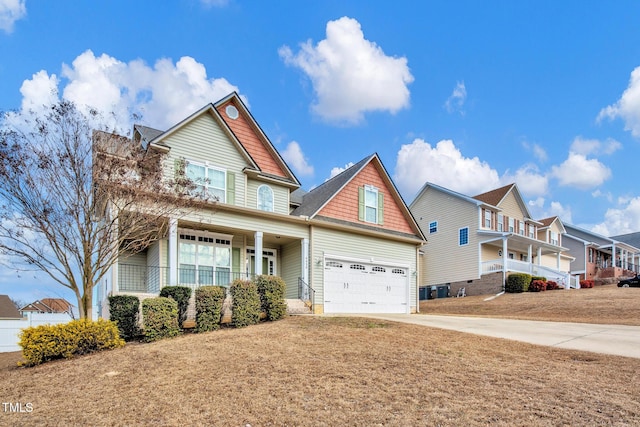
598 257
475 242
349 245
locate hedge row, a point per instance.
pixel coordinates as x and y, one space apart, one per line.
48 342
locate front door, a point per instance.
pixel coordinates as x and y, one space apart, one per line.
268 261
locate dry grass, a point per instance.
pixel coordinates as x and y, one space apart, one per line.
603 304
327 371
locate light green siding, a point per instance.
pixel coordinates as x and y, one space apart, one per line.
280 196
203 140
290 266
328 242
444 259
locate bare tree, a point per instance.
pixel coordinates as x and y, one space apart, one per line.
72 199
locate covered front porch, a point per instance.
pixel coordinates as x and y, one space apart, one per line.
196 254
517 253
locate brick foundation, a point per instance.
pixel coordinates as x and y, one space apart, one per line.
488 284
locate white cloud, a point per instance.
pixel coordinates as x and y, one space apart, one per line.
580 172
10 12
538 152
162 95
350 74
530 181
628 106
294 156
593 146
335 171
443 165
621 220
456 101
563 212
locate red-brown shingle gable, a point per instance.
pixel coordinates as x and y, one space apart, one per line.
344 205
494 197
251 141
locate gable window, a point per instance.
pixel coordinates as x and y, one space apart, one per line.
433 227
209 181
370 205
463 236
487 219
511 225
265 198
500 222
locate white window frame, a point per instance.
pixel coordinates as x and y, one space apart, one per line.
433 227
554 238
512 225
521 228
367 207
500 222
259 199
218 270
487 219
208 182
460 234
532 231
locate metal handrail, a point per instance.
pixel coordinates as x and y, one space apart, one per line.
305 292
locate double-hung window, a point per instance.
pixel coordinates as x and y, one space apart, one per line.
371 204
209 181
554 238
521 228
487 219
433 227
500 222
463 236
512 225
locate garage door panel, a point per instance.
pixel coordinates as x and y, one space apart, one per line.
357 287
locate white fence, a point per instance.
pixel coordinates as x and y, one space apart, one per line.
10 329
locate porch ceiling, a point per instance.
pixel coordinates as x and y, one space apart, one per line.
521 244
268 239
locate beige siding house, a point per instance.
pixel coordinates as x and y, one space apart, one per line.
349 245
475 242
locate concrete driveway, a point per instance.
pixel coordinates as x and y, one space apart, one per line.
607 339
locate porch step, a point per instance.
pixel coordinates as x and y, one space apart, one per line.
297 306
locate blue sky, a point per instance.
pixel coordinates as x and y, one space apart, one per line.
469 95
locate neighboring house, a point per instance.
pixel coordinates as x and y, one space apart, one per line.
49 305
599 257
349 245
8 310
475 242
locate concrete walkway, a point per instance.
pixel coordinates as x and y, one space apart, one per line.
607 339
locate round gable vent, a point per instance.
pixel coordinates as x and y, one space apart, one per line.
232 112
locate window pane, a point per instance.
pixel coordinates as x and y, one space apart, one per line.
196 173
265 198
205 275
464 236
223 257
371 214
216 178
371 198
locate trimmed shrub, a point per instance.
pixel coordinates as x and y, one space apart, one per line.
48 342
181 295
271 290
124 311
517 282
551 285
586 283
209 301
160 318
537 286
246 303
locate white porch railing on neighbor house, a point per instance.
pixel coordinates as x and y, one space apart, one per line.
495 265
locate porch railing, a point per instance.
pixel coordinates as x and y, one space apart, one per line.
150 279
305 292
496 265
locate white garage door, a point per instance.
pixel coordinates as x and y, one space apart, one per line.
357 287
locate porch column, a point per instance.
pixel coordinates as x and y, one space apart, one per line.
539 256
529 254
613 252
173 252
305 261
258 252
557 260
504 261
